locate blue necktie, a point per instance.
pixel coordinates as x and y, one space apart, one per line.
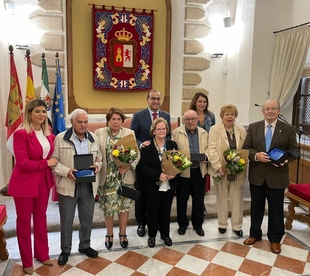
268 137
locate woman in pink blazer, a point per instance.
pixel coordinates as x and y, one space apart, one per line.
31 181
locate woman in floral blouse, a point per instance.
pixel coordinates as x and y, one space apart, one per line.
110 176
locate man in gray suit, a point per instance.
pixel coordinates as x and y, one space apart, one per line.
268 180
140 124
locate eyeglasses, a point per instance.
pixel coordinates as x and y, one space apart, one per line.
270 109
190 119
160 129
155 99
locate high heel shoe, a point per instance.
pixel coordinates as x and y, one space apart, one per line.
48 262
108 241
123 240
28 270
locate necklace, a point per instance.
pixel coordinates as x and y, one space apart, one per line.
161 149
231 132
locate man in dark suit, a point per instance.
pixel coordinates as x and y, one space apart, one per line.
268 180
140 124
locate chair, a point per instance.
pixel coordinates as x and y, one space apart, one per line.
4 255
297 194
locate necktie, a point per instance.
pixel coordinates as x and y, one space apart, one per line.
268 137
154 115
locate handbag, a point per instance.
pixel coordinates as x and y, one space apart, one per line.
128 192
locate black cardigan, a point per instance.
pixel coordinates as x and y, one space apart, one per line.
149 168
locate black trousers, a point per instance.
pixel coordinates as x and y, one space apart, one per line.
140 209
194 186
275 198
158 212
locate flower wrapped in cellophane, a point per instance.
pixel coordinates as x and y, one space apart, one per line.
125 151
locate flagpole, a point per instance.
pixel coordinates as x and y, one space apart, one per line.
11 49
4 190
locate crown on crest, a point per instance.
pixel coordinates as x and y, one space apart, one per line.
123 35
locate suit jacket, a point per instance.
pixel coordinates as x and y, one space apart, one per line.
30 167
218 143
102 135
149 168
141 123
284 136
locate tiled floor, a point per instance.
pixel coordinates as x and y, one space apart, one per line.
213 254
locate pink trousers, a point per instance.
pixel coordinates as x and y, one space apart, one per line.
27 207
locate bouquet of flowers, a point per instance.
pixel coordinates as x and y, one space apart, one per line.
125 151
174 162
234 162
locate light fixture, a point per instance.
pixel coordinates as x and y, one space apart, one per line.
217 55
227 22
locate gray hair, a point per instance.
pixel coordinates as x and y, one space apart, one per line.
76 112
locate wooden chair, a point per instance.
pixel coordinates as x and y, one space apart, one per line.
297 194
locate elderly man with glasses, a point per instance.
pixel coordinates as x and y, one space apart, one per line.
140 124
192 140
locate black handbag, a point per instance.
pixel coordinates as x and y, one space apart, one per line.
128 192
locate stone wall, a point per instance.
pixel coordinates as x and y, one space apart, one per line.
50 18
193 63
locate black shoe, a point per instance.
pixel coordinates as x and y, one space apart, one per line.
167 241
123 241
63 258
89 252
151 242
239 233
141 230
200 231
108 241
182 230
222 230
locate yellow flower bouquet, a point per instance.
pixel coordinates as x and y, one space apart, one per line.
174 162
125 151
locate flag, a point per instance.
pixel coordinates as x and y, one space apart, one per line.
58 104
14 115
45 91
30 94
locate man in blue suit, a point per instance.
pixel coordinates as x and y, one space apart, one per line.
140 124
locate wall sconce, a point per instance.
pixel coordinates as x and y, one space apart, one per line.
217 55
227 22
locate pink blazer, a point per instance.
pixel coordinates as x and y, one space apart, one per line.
30 167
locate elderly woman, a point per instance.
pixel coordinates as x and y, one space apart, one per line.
157 187
110 175
223 136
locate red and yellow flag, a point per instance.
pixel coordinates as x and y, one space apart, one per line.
14 115
30 93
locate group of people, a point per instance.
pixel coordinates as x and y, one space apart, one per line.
39 155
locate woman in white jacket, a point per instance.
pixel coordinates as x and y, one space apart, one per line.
223 136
